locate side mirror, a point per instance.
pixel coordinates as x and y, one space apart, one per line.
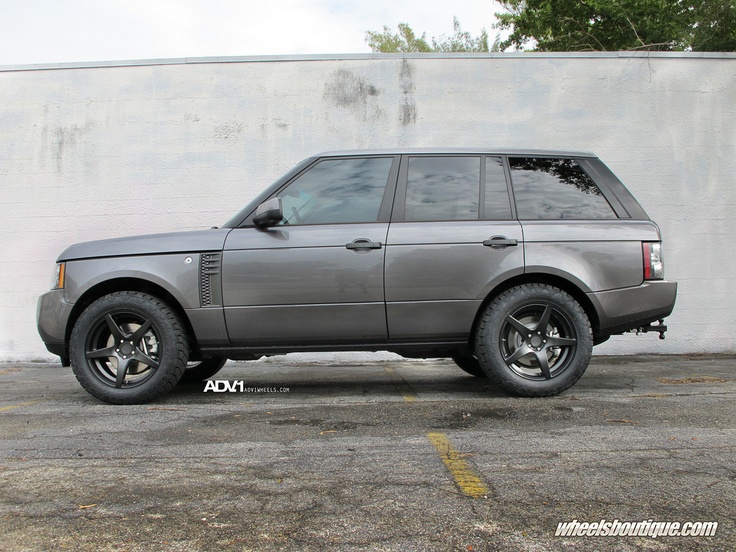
269 213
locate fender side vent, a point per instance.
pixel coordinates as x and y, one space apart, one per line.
210 288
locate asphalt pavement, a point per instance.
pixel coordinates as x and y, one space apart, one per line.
385 455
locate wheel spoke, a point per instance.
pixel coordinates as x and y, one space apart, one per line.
117 334
553 341
518 326
122 371
139 333
101 353
544 320
140 356
517 354
543 363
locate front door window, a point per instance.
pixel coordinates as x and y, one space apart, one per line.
337 191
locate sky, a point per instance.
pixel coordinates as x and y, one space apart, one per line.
59 31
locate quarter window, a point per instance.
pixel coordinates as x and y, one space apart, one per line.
337 191
556 189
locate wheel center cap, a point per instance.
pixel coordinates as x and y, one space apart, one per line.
126 349
536 342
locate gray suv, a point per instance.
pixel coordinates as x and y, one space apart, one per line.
512 263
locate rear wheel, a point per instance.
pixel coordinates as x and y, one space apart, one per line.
534 340
200 371
128 348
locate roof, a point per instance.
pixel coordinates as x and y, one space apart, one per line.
457 151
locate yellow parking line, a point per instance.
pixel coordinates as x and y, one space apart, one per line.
469 483
401 385
6 408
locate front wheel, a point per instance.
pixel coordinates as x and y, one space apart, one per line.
469 364
534 340
128 348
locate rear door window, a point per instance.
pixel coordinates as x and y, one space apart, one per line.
497 205
442 188
447 188
549 188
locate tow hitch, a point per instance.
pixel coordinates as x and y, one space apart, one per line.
660 328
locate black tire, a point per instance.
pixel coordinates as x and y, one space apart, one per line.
137 332
469 364
200 371
534 340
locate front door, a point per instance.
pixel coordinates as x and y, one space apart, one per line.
318 277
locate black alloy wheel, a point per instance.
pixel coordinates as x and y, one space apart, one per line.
128 348
534 340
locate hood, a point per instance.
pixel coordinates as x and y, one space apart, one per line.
154 244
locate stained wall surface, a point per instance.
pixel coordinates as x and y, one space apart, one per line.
89 152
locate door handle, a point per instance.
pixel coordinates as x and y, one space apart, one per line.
363 244
500 242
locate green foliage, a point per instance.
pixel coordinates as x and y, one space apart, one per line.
580 25
406 40
714 29
461 41
585 25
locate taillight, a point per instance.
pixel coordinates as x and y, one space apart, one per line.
653 263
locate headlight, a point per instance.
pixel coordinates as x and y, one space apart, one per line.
58 282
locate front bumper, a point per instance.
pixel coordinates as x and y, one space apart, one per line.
625 309
52 315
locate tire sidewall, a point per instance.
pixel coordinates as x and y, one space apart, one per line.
488 340
172 341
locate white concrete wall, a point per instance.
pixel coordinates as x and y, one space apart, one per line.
88 153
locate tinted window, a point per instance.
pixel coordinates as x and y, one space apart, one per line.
556 189
497 204
442 188
337 191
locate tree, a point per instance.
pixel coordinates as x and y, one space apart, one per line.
715 30
406 40
403 41
461 41
579 25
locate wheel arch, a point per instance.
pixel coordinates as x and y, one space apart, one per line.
127 284
559 282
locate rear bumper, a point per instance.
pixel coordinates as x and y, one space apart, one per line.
625 309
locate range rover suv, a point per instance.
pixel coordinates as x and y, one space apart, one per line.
512 263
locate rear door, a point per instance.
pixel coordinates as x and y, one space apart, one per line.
316 278
453 237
